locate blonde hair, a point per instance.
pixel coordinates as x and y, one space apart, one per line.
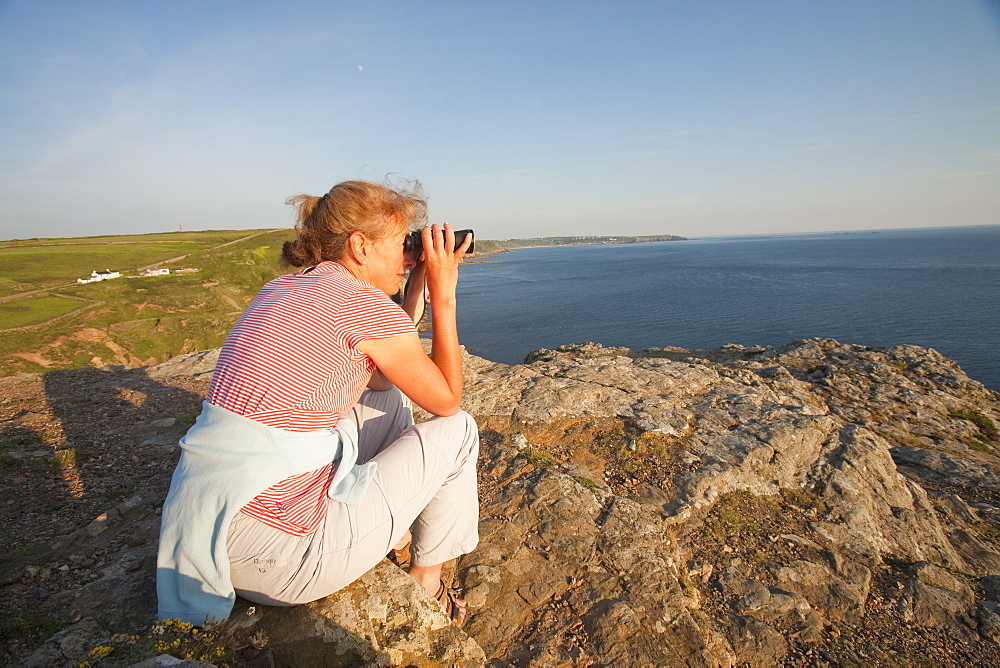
325 223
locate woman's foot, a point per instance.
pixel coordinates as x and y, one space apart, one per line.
429 577
452 605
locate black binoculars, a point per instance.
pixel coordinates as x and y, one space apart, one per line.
415 243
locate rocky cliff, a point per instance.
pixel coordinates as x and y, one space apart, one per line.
817 503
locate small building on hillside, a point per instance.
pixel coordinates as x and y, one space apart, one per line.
156 271
96 276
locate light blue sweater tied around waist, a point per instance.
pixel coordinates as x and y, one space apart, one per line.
227 460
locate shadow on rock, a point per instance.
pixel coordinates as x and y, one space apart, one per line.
91 580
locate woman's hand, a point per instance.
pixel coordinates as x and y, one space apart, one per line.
442 260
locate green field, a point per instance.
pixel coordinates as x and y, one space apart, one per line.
131 320
27 264
32 310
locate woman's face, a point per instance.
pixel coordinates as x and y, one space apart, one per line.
388 263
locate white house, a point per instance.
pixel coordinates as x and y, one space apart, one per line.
96 276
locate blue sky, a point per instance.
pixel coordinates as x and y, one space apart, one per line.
520 118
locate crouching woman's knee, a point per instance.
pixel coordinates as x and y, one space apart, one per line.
461 430
467 420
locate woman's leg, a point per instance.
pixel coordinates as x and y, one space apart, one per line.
380 418
427 479
414 467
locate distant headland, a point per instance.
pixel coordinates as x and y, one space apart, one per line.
490 246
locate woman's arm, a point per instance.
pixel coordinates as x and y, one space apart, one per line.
402 362
413 298
413 305
434 383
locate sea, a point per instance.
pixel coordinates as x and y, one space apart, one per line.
932 287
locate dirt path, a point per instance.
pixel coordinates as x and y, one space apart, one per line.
29 293
181 257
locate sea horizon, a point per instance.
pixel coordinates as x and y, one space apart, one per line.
933 287
828 233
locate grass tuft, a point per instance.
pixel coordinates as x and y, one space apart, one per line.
538 458
591 485
65 459
987 428
803 499
737 513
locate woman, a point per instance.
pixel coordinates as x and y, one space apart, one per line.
296 479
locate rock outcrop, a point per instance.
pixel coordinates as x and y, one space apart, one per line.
780 500
813 503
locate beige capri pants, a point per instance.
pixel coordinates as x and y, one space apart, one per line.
425 480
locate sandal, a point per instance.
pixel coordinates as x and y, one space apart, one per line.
449 599
400 557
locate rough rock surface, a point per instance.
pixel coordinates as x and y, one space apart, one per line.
383 619
816 503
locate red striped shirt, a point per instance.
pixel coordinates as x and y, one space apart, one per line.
290 362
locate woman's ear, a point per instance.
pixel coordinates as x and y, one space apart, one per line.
357 247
